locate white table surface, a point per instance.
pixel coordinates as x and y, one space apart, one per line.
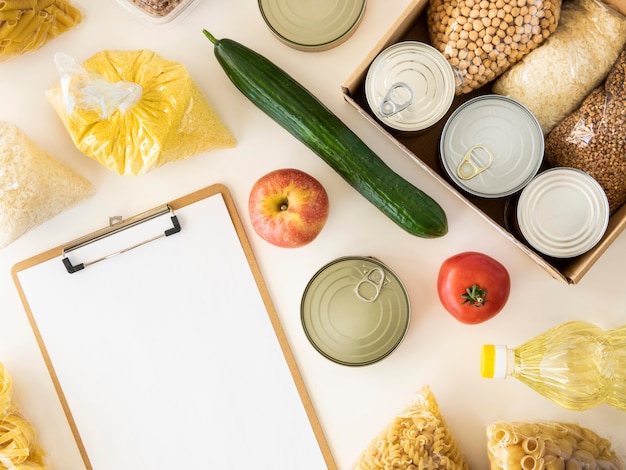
353 404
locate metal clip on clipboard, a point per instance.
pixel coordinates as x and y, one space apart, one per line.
116 228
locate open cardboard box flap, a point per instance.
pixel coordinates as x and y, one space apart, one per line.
423 149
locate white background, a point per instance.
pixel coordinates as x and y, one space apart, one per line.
353 404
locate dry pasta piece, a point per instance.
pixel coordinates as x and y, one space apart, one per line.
414 440
5 391
19 449
545 445
27 25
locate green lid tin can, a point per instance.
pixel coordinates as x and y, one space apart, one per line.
355 311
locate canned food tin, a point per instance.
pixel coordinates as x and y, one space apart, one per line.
491 146
355 311
410 86
310 26
563 212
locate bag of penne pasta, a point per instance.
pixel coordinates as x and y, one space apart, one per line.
19 448
545 445
417 438
26 25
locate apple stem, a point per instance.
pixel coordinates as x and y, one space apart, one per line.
284 206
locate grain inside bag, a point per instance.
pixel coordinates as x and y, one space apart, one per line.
34 186
592 138
483 38
555 78
134 111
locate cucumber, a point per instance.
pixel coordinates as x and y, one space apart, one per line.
293 107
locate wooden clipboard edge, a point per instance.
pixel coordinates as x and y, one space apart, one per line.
21 266
267 301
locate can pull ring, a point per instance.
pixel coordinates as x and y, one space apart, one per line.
389 107
368 288
468 168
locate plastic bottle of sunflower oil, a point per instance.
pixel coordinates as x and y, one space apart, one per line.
576 364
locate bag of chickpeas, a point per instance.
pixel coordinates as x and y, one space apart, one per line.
544 445
483 38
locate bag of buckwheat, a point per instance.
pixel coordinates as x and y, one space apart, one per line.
593 137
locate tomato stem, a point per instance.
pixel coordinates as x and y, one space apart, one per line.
475 296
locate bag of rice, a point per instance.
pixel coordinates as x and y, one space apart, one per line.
548 445
26 25
483 38
416 439
34 186
593 137
134 111
553 80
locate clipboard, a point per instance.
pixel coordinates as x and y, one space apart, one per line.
164 347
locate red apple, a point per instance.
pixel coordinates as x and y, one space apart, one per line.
288 207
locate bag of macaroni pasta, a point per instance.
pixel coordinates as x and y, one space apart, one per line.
26 25
34 186
19 449
133 111
545 445
416 439
481 39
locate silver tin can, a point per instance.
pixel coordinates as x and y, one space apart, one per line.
563 212
355 311
491 146
312 26
410 86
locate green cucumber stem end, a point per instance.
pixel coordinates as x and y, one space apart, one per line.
210 36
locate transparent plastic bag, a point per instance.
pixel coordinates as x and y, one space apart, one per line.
483 38
134 111
555 78
34 186
593 137
416 439
19 449
27 25
545 445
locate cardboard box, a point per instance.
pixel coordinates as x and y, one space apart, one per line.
423 148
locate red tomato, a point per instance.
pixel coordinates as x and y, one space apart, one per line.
473 287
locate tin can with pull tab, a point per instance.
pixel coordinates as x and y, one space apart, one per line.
410 86
491 146
355 311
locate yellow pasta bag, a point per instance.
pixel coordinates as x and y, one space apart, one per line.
416 439
134 111
19 449
545 445
26 25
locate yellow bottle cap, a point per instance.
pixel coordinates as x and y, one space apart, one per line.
493 361
488 361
